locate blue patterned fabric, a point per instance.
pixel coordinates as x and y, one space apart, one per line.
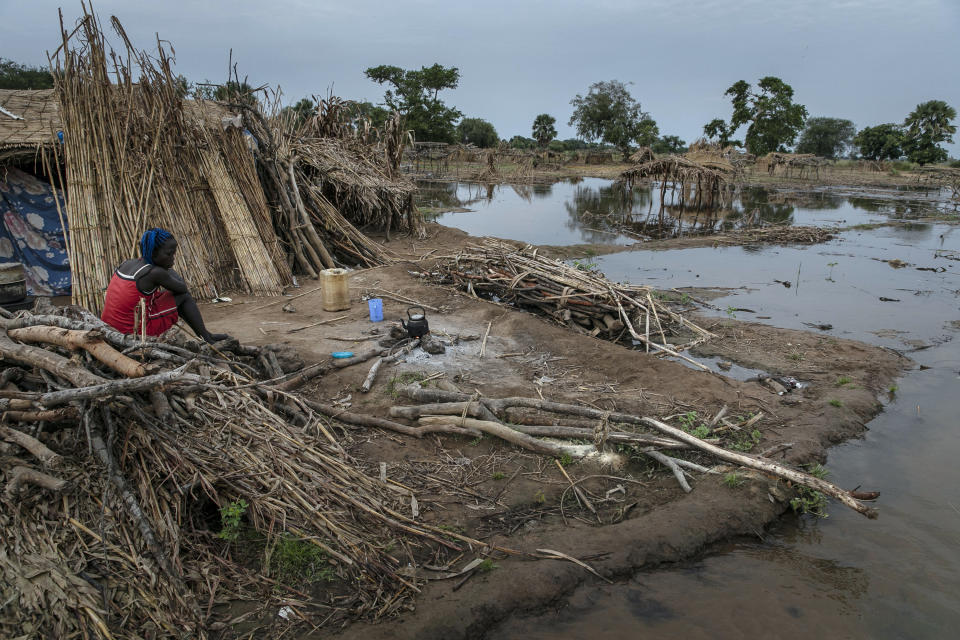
31 233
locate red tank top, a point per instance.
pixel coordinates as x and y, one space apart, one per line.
123 297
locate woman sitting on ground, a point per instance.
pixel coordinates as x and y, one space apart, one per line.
152 279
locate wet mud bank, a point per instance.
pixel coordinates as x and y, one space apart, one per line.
655 523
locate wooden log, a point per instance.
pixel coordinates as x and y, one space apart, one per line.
62 414
23 354
36 448
20 476
671 464
119 387
362 420
766 466
473 409
90 341
504 432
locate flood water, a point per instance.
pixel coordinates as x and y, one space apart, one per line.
843 576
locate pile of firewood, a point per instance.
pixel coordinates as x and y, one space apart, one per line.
119 457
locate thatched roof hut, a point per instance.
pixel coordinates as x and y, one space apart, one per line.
29 121
641 155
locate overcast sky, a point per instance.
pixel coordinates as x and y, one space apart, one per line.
871 61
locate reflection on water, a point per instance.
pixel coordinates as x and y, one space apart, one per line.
597 210
845 576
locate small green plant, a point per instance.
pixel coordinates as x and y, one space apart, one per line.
687 420
296 561
476 440
684 299
584 265
755 435
796 357
810 500
836 403
566 460
842 380
733 480
487 566
230 516
731 311
498 475
701 432
540 497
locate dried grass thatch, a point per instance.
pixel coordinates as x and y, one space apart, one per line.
803 163
678 172
33 124
641 155
136 157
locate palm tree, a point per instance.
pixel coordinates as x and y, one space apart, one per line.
543 129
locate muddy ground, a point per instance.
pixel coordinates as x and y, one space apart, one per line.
500 494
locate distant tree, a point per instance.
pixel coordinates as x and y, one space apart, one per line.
718 131
556 145
826 137
574 144
609 113
519 142
14 75
477 131
882 142
365 109
183 86
298 112
773 120
669 145
925 128
415 95
235 93
543 129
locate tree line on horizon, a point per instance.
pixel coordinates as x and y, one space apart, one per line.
606 116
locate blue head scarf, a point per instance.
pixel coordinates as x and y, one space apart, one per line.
151 240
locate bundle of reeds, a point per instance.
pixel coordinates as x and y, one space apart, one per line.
581 299
120 520
641 155
135 159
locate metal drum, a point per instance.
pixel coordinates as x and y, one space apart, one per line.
13 283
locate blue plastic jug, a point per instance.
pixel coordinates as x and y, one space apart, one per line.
376 309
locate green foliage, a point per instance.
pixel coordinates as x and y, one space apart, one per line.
540 496
584 265
925 128
230 516
810 500
826 137
773 120
415 95
609 113
519 142
235 93
882 142
543 129
893 389
689 423
298 113
732 312
796 357
498 475
477 131
295 561
733 480
369 111
720 132
842 380
669 145
14 75
487 566
566 460
836 403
